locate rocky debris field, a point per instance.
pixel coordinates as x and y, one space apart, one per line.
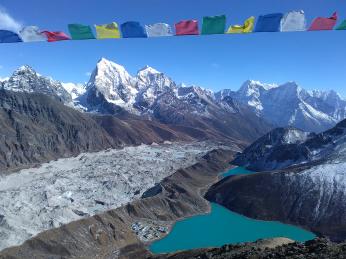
56 193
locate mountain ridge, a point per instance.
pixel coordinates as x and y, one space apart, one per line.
290 105
112 90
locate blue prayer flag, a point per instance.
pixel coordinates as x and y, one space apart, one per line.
133 30
9 37
269 23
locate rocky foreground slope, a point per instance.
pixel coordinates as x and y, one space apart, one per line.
109 235
280 248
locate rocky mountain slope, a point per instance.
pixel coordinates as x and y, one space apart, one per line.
290 105
280 248
36 128
310 191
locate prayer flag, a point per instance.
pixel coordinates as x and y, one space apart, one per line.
32 33
322 23
214 24
187 27
342 26
293 21
245 28
108 31
55 36
133 30
80 32
158 30
269 22
9 37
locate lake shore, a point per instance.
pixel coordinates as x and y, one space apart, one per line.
222 226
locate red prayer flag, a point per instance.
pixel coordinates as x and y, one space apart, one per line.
322 23
56 36
189 27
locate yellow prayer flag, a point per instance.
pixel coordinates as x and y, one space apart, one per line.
245 28
107 31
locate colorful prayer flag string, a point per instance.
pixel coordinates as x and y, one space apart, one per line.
292 21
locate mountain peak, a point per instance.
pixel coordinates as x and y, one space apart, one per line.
113 81
105 64
147 70
26 79
103 60
25 69
257 84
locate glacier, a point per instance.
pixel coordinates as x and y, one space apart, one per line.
58 192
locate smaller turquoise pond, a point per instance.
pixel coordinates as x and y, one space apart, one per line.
237 170
223 226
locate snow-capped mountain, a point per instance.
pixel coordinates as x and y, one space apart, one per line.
25 79
276 149
75 90
153 95
110 84
150 94
290 105
284 147
151 84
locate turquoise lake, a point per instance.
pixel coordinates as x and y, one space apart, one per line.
223 226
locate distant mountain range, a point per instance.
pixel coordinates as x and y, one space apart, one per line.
280 105
152 94
290 105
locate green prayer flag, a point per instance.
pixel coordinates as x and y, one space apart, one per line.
214 24
80 32
342 26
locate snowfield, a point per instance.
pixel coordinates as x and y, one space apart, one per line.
37 199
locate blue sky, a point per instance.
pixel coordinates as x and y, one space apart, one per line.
316 60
